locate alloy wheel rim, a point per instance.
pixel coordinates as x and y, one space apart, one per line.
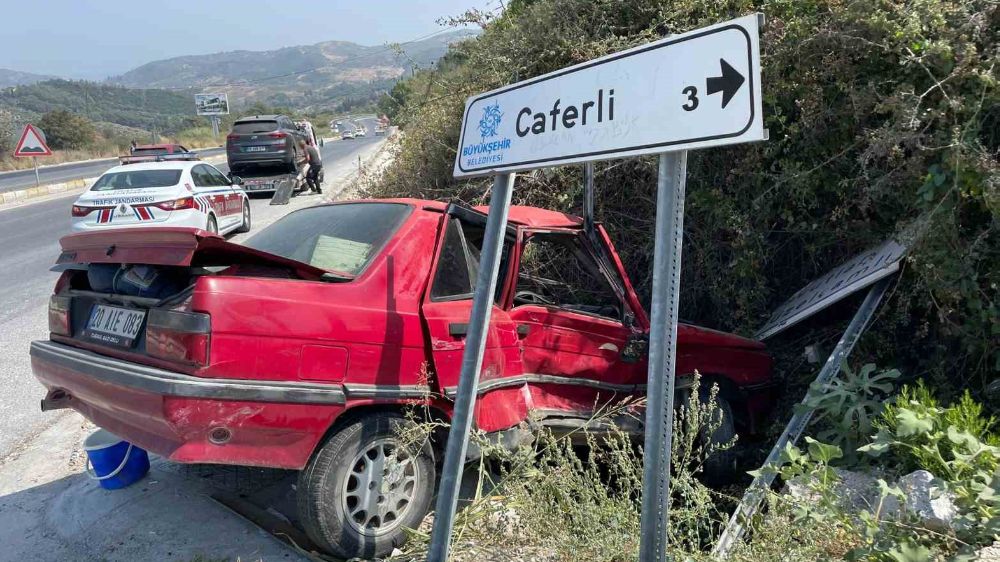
379 488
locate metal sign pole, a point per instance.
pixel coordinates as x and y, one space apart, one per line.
472 361
662 355
215 127
755 493
34 160
588 197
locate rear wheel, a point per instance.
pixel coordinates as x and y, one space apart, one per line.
245 226
364 487
212 225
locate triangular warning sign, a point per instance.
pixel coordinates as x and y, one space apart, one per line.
31 143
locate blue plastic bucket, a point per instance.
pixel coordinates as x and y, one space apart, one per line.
116 463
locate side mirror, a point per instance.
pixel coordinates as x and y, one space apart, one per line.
636 348
235 180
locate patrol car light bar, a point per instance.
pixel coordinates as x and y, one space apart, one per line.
179 156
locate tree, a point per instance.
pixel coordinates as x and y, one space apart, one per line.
67 130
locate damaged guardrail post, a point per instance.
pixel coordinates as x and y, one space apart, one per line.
472 361
670 186
890 254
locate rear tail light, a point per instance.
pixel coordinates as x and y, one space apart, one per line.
232 136
59 307
81 211
177 204
277 135
184 337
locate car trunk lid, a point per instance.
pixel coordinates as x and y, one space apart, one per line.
172 246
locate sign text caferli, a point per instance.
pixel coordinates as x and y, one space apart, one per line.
694 90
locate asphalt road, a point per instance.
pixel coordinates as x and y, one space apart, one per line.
29 244
10 181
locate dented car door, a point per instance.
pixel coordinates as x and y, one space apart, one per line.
446 308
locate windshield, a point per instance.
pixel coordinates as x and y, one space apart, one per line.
251 127
132 179
341 238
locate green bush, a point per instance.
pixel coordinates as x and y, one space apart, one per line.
67 130
955 444
883 119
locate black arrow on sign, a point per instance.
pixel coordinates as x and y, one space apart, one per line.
729 83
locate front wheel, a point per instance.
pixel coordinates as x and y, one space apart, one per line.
720 467
364 487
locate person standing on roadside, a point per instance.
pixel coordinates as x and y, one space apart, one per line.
315 167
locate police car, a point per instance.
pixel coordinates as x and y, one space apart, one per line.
164 191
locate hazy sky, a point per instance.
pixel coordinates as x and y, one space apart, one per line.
95 39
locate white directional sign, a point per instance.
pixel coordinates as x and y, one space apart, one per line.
693 90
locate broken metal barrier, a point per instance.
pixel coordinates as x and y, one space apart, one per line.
872 269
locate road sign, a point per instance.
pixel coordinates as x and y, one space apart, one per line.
32 143
211 104
692 90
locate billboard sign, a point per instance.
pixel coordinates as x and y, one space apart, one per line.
212 104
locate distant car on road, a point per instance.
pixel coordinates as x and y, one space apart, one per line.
347 134
265 140
380 129
187 193
360 131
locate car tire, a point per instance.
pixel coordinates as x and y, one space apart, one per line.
347 478
212 225
245 226
720 468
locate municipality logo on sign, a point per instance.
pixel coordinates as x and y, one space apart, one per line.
492 115
487 151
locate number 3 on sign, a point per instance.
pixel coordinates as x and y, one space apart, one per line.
692 94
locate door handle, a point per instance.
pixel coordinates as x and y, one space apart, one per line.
458 329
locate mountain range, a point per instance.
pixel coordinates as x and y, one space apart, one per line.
10 78
302 76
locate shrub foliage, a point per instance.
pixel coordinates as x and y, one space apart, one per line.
883 119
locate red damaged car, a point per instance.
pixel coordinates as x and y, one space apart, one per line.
302 348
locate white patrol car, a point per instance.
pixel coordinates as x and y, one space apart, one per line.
165 193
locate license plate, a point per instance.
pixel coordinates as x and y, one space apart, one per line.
259 186
114 325
255 149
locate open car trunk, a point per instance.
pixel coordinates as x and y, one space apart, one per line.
128 292
172 246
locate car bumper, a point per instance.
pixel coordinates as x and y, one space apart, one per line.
180 417
259 157
191 218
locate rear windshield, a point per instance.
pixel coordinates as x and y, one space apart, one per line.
342 238
132 179
251 127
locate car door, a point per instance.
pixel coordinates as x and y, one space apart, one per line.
210 196
576 324
233 198
446 308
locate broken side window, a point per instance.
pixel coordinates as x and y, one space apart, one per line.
557 270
